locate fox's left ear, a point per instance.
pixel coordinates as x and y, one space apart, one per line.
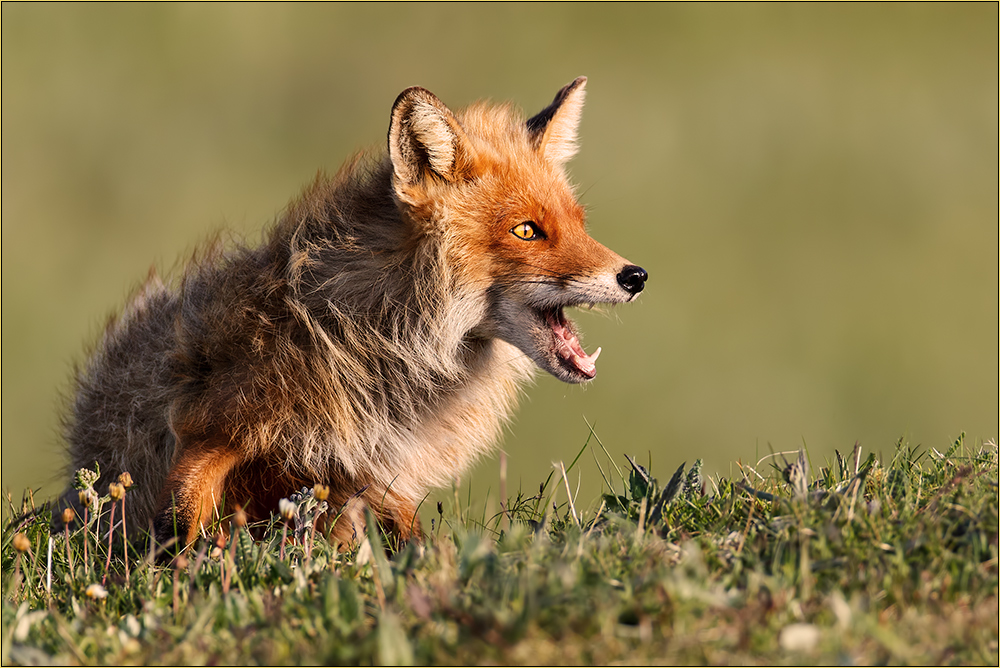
552 131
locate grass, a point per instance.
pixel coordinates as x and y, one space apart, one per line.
865 560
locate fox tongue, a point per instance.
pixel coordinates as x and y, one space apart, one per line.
568 345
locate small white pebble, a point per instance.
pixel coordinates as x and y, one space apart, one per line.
799 637
365 553
841 609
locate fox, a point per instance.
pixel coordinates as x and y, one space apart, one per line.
376 340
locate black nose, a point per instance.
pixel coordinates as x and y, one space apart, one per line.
633 279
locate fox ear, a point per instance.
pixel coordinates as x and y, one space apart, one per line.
552 131
423 134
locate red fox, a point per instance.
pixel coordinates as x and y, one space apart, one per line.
374 342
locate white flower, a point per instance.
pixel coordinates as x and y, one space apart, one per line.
287 509
96 592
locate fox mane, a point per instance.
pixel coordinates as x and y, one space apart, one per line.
379 326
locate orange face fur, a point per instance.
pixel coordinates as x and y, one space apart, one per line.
494 186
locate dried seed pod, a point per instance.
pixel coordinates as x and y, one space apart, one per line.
87 498
240 517
21 542
220 540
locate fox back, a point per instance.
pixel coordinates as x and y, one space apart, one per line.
374 342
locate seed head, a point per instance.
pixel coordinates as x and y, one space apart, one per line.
125 479
21 542
68 515
117 491
321 492
85 478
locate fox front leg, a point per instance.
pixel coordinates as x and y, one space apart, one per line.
195 492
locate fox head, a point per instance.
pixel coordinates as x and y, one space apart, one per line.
493 187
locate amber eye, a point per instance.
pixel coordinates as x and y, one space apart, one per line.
527 231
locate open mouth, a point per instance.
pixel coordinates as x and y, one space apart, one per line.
567 346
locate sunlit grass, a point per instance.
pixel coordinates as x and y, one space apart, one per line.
860 560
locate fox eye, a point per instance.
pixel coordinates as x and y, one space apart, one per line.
527 231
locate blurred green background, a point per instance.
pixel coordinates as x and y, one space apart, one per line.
813 189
